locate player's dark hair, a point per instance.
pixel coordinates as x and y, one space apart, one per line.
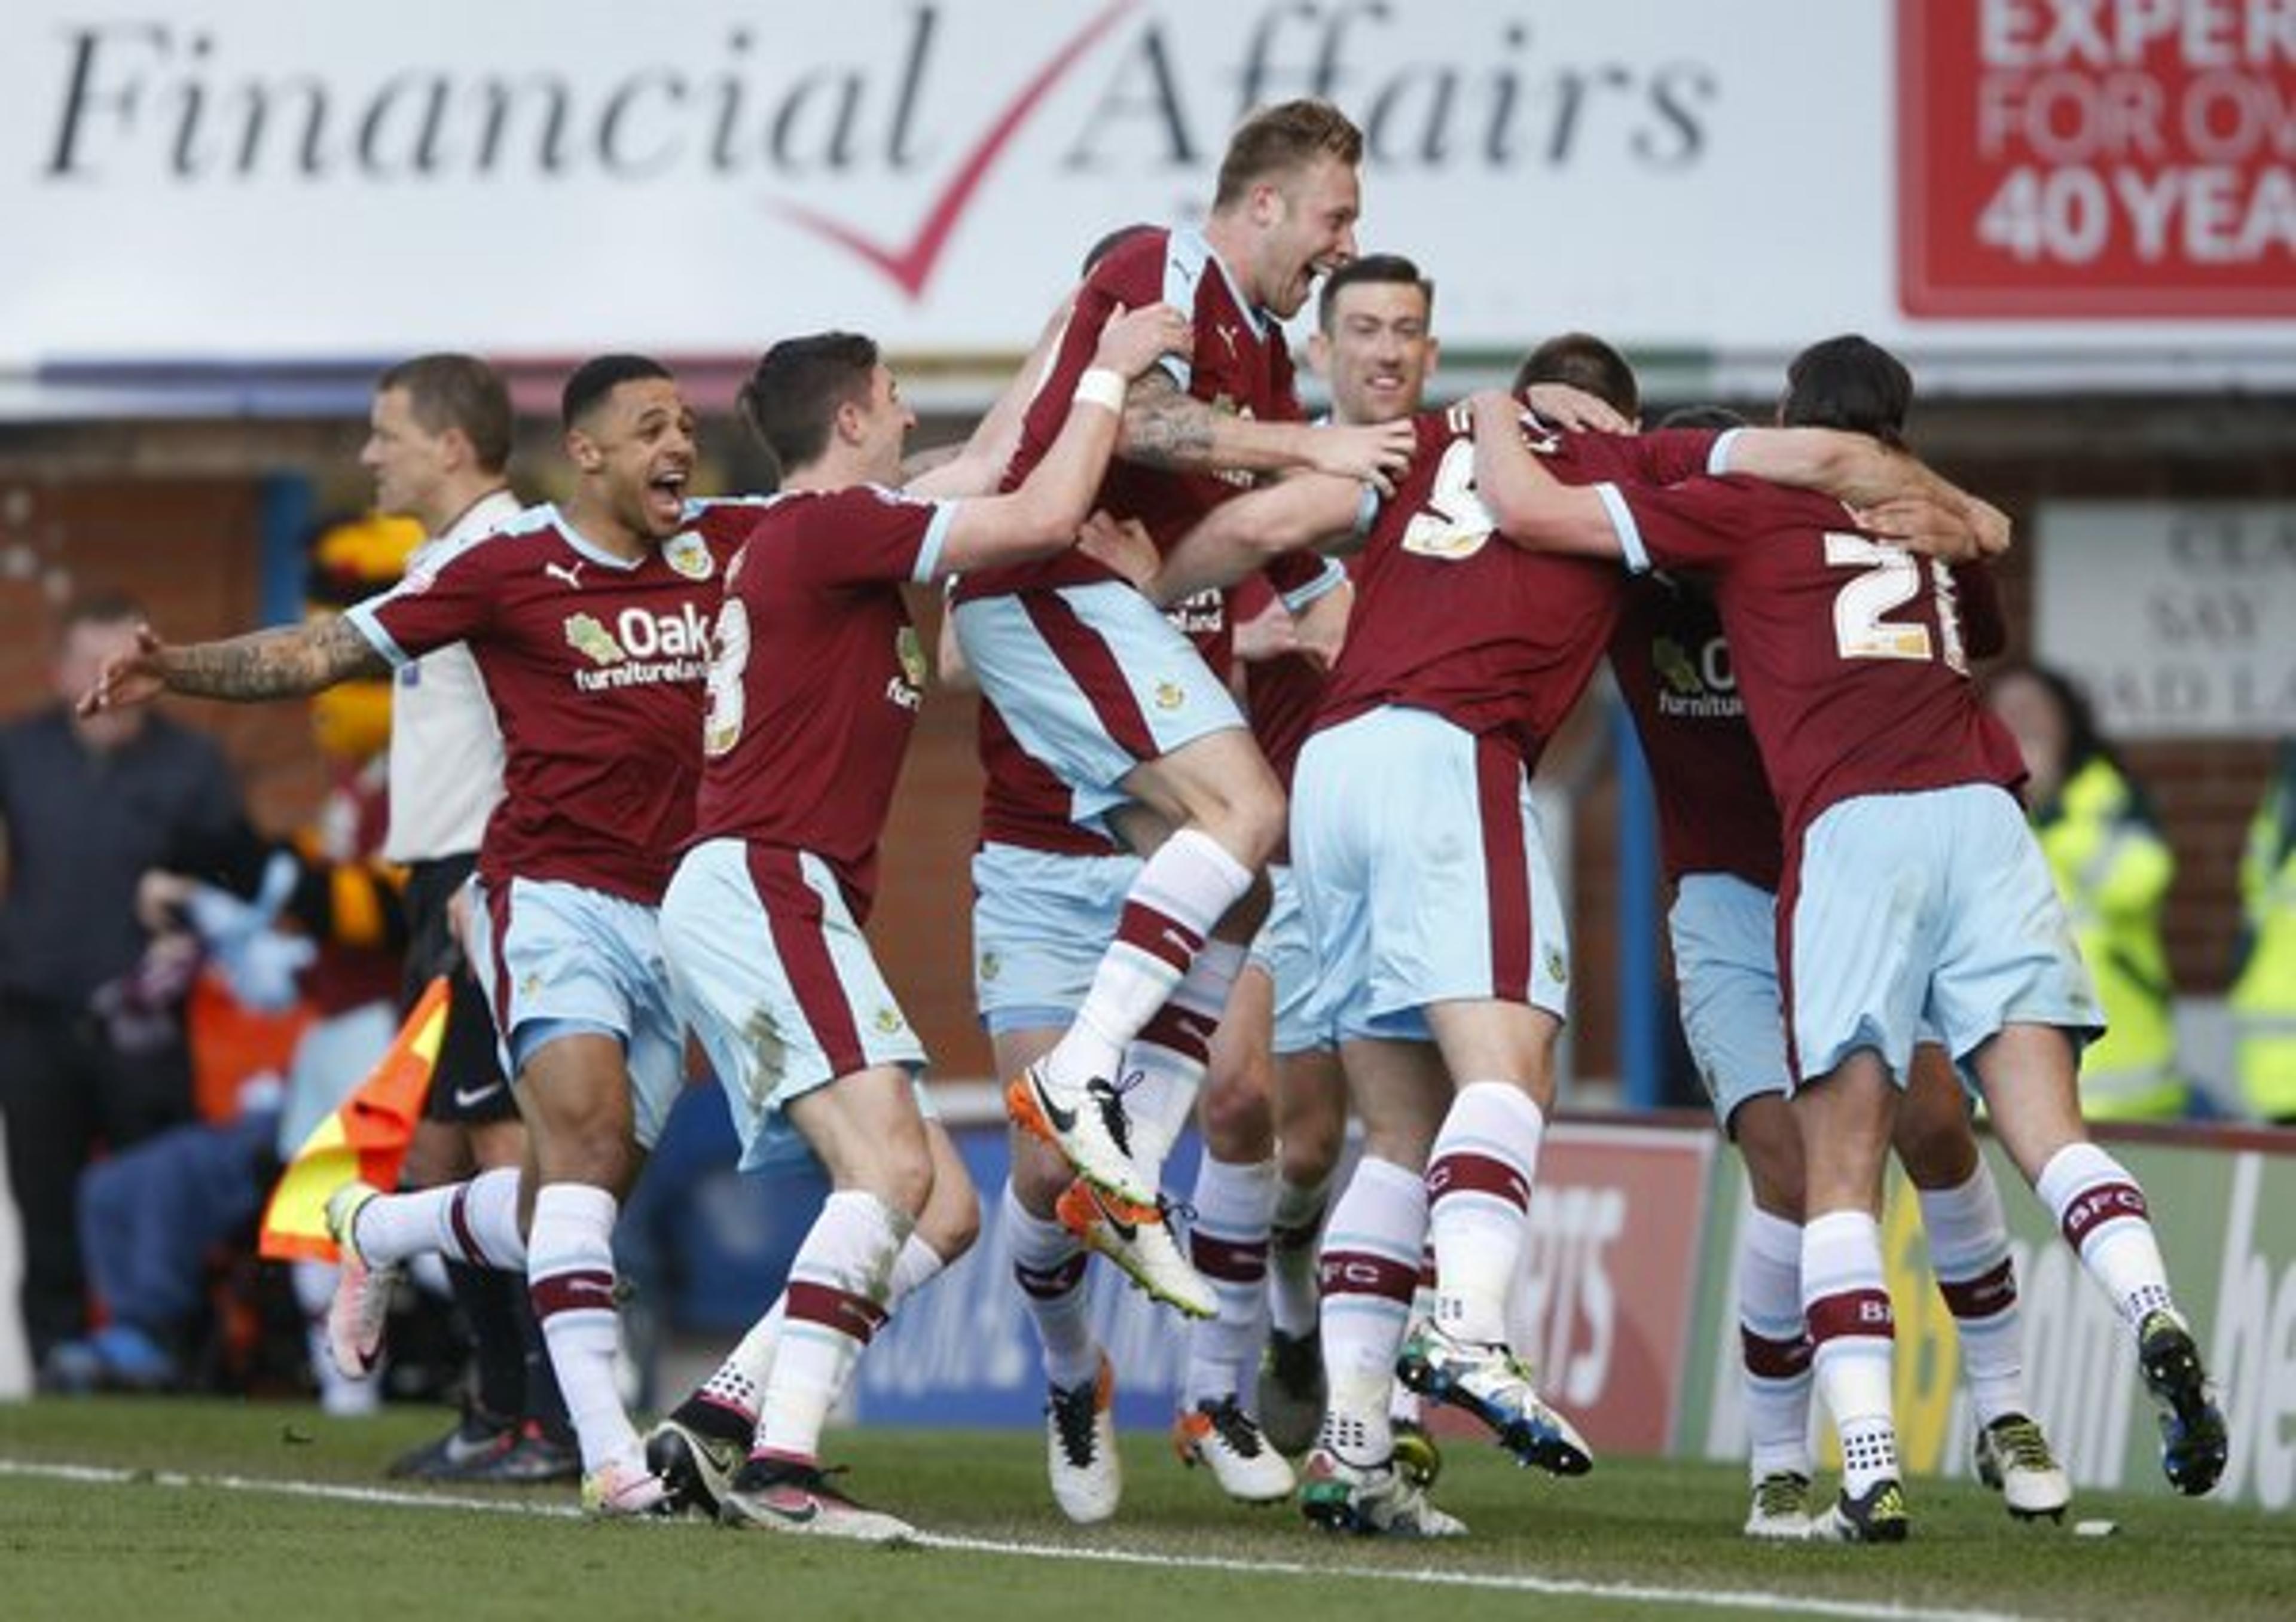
1282 139
1109 244
1371 270
459 391
596 377
1586 362
791 398
1702 416
1848 382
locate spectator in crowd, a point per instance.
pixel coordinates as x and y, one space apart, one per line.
2264 979
149 1218
88 805
2112 869
152 1217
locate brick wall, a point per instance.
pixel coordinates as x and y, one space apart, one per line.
189 549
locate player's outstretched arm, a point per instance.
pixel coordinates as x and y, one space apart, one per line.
1531 508
1238 537
1164 427
1044 513
1870 476
290 662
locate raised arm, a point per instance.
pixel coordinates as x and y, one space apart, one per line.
292 661
1164 427
1044 514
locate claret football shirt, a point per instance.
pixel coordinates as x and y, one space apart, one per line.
818 676
1452 617
1716 813
1239 363
595 666
1853 653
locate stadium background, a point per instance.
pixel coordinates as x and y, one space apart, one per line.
2078 224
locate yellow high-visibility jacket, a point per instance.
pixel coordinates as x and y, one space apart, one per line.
2264 983
2113 870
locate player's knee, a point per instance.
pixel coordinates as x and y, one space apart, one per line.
1259 813
903 1178
1769 1140
1238 1126
1937 1149
602 1159
1311 1151
1776 1188
950 1226
1039 1176
951 1220
437 1155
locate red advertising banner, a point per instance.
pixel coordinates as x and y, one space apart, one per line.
1603 1305
2085 158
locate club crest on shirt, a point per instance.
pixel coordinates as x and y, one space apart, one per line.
1558 967
689 555
991 965
593 641
889 1021
1170 695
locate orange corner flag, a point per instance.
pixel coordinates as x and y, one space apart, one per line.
365 1138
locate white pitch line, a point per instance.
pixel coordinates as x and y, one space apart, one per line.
96 1475
1494 1581
1498 1582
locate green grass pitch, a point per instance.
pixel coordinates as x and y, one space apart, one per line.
185 1511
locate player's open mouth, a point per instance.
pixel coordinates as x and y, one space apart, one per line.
666 494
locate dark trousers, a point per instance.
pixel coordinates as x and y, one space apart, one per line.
65 1093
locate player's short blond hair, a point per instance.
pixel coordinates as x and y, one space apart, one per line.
1281 140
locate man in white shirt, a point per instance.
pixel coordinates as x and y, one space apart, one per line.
438 444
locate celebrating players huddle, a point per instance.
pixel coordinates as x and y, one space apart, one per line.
705 705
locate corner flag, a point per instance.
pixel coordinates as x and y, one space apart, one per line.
365 1138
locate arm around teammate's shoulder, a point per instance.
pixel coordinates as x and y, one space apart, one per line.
1164 427
1531 508
1872 477
1043 515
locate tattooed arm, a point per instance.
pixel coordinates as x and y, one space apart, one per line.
1166 428
276 664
